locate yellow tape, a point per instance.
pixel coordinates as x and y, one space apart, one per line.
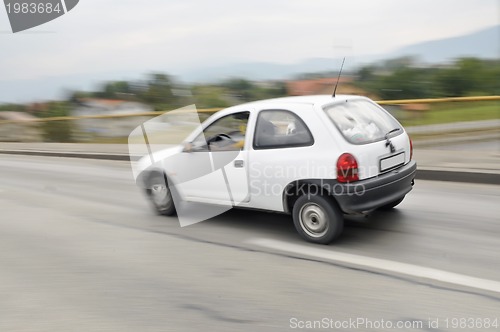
437 100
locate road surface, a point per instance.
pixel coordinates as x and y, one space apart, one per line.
80 250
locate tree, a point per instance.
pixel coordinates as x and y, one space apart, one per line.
209 96
57 131
158 92
402 79
466 77
366 74
245 90
405 83
12 107
240 88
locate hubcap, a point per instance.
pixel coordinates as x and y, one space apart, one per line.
160 194
313 220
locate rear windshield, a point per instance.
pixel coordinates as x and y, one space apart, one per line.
361 121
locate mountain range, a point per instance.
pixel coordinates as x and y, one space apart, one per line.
481 44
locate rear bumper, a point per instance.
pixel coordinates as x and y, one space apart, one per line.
369 194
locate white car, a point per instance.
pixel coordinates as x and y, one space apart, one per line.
314 157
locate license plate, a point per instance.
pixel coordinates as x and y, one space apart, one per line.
392 162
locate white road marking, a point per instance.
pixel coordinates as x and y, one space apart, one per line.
380 264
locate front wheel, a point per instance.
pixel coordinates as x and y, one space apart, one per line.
317 219
160 195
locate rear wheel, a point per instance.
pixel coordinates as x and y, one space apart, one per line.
391 205
317 219
160 195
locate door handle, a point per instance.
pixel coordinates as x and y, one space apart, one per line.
238 163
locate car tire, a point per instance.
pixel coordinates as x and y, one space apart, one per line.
160 195
392 204
317 218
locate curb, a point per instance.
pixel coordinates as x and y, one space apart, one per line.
458 176
80 155
422 174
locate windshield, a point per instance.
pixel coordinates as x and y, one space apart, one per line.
361 121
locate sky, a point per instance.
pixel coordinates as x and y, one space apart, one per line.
111 38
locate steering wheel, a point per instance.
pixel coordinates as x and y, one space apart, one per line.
219 137
224 136
220 141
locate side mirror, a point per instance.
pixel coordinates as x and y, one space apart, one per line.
187 147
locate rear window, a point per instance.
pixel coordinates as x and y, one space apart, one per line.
361 121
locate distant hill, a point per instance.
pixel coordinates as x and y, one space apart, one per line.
259 70
481 44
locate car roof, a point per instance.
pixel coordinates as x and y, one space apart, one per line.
311 100
314 99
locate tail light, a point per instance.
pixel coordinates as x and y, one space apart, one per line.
347 168
411 148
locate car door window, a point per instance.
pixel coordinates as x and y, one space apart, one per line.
225 134
280 129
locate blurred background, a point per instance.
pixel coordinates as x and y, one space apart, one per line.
123 70
412 91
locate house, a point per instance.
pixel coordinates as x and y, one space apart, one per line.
325 86
23 127
37 108
114 127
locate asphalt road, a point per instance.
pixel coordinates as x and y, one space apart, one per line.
80 250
